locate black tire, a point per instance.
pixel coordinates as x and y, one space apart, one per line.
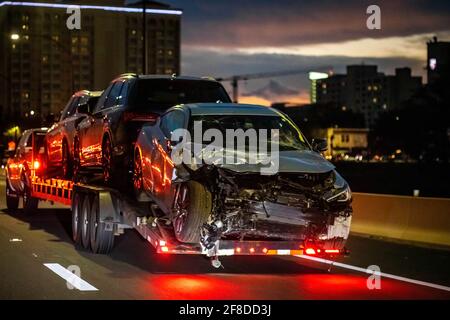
12 199
76 160
66 161
76 218
30 204
196 208
84 222
107 161
102 240
137 174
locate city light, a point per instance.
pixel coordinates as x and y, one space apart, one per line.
15 36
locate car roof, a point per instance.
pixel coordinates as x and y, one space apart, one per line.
163 77
87 93
36 130
229 109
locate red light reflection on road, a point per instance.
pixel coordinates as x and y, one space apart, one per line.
305 286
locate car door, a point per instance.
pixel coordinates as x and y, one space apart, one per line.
103 119
21 158
86 132
72 121
162 164
55 135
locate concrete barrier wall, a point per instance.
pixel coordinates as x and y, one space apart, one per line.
415 219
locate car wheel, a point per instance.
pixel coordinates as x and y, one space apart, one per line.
76 160
107 161
101 237
12 199
137 173
65 161
30 204
193 204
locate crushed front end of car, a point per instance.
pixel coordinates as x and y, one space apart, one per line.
313 208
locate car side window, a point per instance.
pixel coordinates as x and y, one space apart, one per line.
69 108
172 121
102 99
123 94
113 95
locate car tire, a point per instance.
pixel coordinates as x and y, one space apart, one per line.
101 237
30 204
84 222
12 199
76 218
194 203
107 161
66 162
76 160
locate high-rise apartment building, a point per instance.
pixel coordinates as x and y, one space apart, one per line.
365 90
438 64
42 62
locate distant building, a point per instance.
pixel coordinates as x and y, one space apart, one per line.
438 62
313 77
365 90
343 141
42 62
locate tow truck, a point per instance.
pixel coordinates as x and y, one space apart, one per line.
100 213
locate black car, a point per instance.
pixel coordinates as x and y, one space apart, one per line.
105 139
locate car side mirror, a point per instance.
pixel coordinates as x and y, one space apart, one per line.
84 108
319 144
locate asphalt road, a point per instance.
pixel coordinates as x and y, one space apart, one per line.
135 271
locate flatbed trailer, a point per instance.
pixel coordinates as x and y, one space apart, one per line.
101 213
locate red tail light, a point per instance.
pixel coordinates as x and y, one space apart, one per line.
331 251
310 251
36 165
140 117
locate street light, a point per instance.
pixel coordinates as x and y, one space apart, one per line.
15 37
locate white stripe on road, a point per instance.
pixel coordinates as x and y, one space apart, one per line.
368 271
70 277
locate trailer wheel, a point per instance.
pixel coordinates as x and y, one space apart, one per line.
30 204
194 204
76 218
102 239
12 199
84 222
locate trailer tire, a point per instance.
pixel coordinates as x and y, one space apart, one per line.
84 225
30 204
198 208
12 199
76 218
101 238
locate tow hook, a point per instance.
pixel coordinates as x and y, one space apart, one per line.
215 262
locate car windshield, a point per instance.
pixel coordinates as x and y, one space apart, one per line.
161 94
290 137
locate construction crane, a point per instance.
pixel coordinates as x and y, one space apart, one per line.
236 78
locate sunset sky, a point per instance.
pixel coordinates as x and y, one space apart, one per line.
228 37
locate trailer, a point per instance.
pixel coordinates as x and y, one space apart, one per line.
99 214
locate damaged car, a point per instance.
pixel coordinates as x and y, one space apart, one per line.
210 199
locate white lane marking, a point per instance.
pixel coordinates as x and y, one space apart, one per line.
70 277
368 271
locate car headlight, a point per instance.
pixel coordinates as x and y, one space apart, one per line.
342 192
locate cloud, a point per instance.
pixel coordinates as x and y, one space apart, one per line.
266 23
200 62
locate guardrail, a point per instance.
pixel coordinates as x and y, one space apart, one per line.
414 219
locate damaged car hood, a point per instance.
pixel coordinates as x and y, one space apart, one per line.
305 161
